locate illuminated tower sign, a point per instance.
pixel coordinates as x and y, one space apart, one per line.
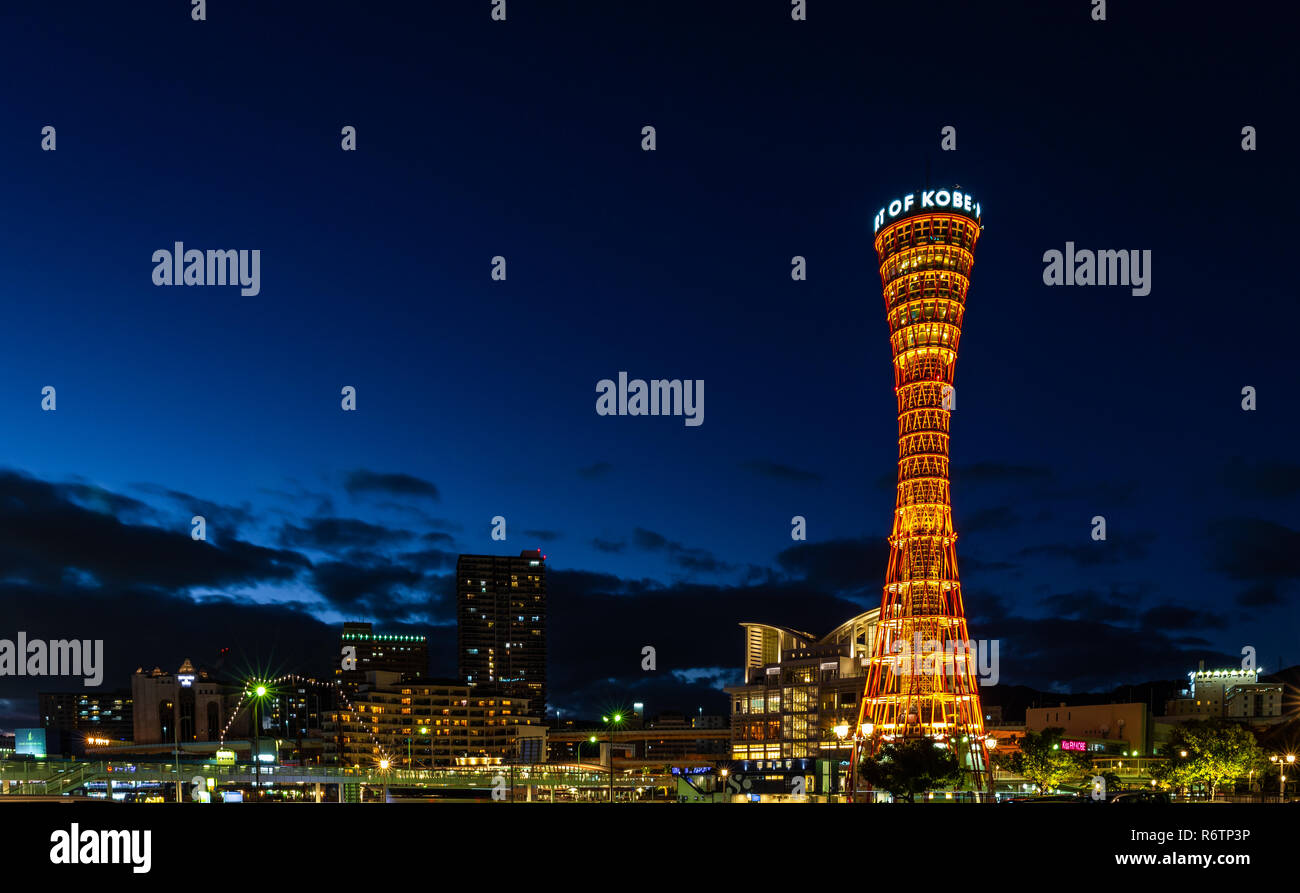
921 681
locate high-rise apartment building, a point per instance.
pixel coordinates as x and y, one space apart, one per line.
501 625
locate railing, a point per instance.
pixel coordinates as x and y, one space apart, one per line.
59 776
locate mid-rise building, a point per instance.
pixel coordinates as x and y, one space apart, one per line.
1097 728
187 705
95 716
424 723
801 693
1233 693
501 625
402 653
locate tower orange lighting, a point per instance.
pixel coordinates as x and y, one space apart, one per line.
920 682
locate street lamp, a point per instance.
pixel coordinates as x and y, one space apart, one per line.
1282 763
384 763
592 739
610 722
841 732
174 707
864 730
259 693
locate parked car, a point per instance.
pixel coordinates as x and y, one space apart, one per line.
1141 797
1051 798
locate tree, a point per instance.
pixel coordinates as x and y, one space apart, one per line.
1042 761
1217 752
912 767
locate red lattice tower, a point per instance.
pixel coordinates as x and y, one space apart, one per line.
921 680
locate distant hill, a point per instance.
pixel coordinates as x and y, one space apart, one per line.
1290 679
1016 699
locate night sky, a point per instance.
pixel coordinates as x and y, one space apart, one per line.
476 397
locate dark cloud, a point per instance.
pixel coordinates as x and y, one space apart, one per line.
67 559
685 557
415 511
999 518
1255 550
378 589
700 560
148 628
1091 553
599 624
1092 605
361 482
980 566
1262 478
781 472
1105 494
1177 617
596 470
97 499
1041 483
45 536
841 565
219 517
984 608
429 559
323 503
999 473
1259 596
545 536
648 539
330 534
1058 653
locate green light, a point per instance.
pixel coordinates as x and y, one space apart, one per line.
260 691
618 717
592 739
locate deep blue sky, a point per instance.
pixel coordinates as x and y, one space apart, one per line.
476 398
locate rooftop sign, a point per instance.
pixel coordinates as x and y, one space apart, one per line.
929 200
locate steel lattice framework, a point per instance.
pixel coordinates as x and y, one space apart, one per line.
920 681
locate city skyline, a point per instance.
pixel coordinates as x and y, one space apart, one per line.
477 398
